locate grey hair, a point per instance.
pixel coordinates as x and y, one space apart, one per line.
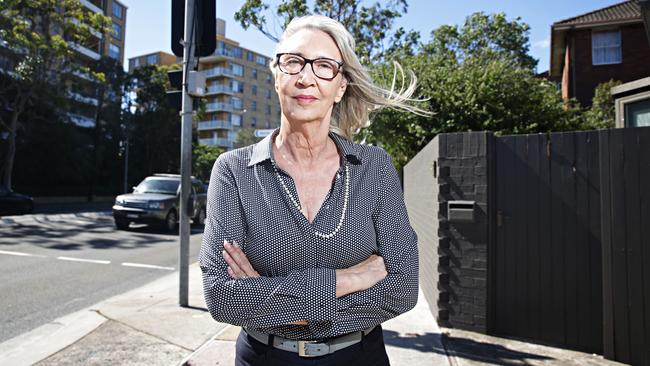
362 95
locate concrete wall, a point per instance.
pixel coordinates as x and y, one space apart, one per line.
421 197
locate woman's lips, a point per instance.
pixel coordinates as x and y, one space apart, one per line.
305 98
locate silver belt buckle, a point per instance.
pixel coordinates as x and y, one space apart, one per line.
301 348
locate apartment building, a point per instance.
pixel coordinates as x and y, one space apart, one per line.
82 88
155 58
240 92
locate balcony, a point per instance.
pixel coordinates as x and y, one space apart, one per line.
85 51
215 124
91 6
219 89
83 99
219 54
81 121
219 107
217 141
218 71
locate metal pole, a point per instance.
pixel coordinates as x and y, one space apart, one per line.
186 155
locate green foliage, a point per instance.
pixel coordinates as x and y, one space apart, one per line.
203 158
369 24
246 136
472 78
602 113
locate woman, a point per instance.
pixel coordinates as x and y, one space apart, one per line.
307 243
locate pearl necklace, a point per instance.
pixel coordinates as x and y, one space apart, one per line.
297 204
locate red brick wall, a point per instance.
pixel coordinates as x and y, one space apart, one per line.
635 65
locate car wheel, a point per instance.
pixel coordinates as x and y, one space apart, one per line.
121 224
170 221
200 218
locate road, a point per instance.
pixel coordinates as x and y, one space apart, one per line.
53 265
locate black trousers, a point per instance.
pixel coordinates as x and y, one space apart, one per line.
369 352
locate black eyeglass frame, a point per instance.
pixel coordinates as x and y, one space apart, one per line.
310 62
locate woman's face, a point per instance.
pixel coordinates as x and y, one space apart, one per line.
304 97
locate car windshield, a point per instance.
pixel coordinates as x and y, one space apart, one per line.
166 186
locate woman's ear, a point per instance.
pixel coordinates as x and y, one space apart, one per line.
341 91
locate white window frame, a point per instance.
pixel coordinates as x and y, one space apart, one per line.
595 49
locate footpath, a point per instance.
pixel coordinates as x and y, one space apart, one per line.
146 326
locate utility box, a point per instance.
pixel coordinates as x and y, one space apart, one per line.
460 211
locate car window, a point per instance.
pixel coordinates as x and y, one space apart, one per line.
164 186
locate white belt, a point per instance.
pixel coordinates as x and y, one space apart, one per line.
310 348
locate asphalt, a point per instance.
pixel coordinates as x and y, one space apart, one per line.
146 326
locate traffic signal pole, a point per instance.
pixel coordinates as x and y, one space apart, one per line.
186 154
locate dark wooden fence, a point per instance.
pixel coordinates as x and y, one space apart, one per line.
562 221
547 276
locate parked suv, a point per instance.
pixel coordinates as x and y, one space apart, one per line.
156 200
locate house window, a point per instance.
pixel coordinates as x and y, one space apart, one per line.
606 48
637 114
260 60
268 94
117 10
117 31
250 56
254 73
114 51
236 52
237 86
136 62
236 102
253 106
235 119
254 89
268 109
152 59
268 78
238 70
253 122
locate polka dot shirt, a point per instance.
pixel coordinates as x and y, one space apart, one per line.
247 204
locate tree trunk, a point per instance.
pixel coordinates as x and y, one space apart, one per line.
8 164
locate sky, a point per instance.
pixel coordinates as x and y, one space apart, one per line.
148 25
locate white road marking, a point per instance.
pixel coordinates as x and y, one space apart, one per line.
127 264
83 260
21 254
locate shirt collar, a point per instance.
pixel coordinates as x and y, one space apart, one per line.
262 150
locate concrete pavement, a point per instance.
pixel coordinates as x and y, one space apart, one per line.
146 326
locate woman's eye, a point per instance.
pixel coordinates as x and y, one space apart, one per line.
324 65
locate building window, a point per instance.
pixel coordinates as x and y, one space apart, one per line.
117 31
637 114
253 106
254 73
238 70
117 10
268 109
236 102
254 122
114 51
268 78
152 59
268 94
260 60
235 119
250 56
237 86
254 89
606 48
236 52
136 62
268 124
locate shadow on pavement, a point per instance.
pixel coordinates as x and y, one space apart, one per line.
487 353
419 342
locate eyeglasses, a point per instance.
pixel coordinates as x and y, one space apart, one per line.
323 67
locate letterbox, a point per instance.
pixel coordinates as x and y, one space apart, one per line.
460 211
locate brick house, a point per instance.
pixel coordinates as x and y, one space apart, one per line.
592 48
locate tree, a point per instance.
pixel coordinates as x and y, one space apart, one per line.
602 113
246 136
472 78
155 126
370 25
203 158
39 34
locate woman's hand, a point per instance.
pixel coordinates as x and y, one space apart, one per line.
238 265
361 276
